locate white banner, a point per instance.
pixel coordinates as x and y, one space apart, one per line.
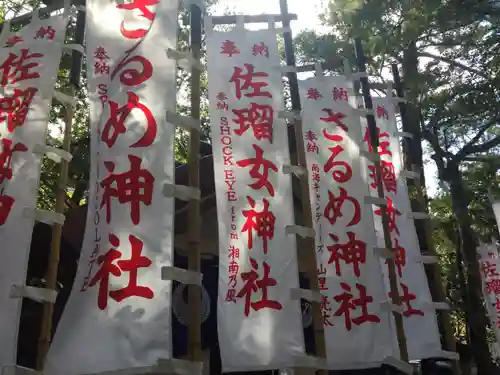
490 277
356 313
420 321
496 210
259 324
118 315
29 60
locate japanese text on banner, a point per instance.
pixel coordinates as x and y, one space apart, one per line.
128 236
350 278
258 265
490 275
423 337
29 59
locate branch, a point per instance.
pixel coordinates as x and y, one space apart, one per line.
482 159
439 153
470 145
483 147
453 63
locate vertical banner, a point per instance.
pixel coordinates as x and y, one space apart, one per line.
259 324
496 210
420 321
489 263
29 59
118 315
356 311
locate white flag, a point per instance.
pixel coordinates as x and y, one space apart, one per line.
118 315
490 267
356 311
259 324
29 60
496 210
420 321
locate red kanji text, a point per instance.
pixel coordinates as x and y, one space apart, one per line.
134 186
260 50
489 269
262 222
314 94
245 83
406 299
229 48
18 68
392 215
400 258
108 268
46 33
383 144
262 177
388 176
259 117
493 286
311 139
253 285
15 108
382 112
348 303
352 252
340 93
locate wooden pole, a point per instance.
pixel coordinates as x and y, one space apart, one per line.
194 220
55 245
309 243
374 141
436 285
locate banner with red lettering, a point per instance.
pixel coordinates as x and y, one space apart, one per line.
29 59
420 321
490 266
118 315
356 311
496 210
259 322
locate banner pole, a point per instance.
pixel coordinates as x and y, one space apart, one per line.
374 141
309 243
436 282
55 245
194 220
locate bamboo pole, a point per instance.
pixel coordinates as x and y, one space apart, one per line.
55 245
374 141
309 243
437 285
194 220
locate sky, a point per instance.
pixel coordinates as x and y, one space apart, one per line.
306 10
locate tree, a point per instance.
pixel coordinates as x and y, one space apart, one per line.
449 56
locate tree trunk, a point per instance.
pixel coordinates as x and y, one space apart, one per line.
476 314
